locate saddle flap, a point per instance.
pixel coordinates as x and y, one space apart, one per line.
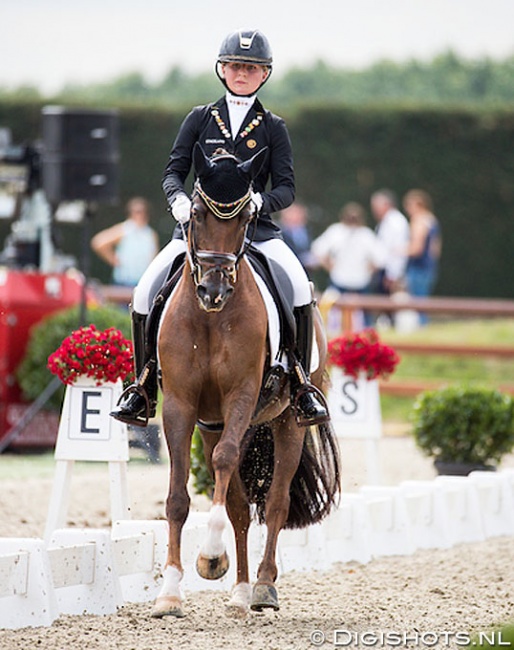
281 289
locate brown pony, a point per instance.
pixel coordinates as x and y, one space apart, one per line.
212 349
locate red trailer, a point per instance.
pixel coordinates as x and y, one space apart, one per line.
25 299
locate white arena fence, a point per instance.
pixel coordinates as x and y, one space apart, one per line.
95 571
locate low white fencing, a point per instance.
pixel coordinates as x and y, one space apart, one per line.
96 571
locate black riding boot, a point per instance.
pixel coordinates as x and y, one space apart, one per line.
309 401
138 402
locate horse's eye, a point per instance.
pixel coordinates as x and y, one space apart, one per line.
198 212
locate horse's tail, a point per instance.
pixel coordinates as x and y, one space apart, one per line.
315 487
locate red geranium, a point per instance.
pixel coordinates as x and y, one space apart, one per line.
362 352
104 356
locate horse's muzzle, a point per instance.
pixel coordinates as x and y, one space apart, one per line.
215 276
212 295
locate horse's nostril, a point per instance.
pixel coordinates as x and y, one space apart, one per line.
203 294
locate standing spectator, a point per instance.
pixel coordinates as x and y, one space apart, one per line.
393 231
128 247
424 249
293 223
350 251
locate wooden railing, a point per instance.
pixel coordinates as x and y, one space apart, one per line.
349 304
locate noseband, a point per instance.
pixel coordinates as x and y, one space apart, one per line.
206 262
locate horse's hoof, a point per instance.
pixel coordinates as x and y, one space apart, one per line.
239 604
212 568
236 609
264 597
167 606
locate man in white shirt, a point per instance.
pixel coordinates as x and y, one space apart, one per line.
393 232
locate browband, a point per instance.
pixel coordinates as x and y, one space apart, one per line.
216 207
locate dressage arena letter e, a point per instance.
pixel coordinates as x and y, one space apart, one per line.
86 430
93 405
89 411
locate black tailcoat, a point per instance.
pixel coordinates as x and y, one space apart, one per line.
210 126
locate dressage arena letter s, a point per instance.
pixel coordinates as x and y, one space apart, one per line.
350 405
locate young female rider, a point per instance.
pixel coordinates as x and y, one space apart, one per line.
239 124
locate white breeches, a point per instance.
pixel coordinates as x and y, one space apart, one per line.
276 249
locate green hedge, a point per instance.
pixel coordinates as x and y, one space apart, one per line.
48 334
464 158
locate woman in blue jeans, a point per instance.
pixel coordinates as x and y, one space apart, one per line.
424 246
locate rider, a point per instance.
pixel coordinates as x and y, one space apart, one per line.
239 124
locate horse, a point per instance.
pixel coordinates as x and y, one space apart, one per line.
213 354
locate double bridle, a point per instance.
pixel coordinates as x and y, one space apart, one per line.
206 262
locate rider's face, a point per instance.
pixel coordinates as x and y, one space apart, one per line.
244 78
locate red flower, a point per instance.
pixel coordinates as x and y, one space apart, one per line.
104 356
362 352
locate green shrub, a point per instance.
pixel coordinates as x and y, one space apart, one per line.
464 424
202 479
47 335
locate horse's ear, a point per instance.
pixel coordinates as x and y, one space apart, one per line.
201 163
253 166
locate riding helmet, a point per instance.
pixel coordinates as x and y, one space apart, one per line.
245 46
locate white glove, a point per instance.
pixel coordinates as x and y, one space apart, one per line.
256 199
181 208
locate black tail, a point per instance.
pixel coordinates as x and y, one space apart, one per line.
315 487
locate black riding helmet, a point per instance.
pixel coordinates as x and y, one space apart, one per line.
245 46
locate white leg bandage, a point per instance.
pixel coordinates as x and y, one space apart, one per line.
214 545
171 583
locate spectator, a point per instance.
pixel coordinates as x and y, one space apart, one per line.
424 249
393 231
351 253
293 223
128 247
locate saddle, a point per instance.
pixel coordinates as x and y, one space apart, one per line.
281 290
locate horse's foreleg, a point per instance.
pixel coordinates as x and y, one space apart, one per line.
288 440
212 562
239 515
178 428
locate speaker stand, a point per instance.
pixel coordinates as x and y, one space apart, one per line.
85 262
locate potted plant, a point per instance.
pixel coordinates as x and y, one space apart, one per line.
102 356
362 354
356 361
464 428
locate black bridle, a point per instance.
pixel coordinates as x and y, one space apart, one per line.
205 262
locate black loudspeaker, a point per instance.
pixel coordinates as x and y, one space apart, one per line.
80 155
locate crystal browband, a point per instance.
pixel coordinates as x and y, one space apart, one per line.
216 207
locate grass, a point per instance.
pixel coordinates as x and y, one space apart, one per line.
472 370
